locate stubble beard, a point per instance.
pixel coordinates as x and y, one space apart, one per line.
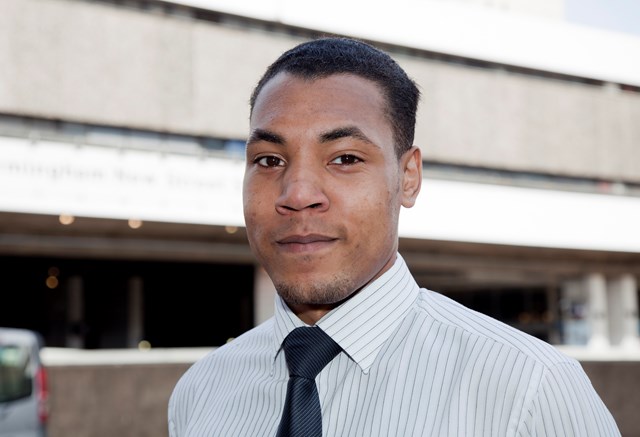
326 293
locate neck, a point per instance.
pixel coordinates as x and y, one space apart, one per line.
310 314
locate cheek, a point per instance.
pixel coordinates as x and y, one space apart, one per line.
252 201
252 208
374 217
385 211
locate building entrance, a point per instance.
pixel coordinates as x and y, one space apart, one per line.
94 303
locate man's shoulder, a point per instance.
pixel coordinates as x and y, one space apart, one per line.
476 325
251 342
218 374
216 364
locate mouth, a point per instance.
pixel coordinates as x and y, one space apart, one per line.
305 243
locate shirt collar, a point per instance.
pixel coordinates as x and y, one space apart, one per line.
363 323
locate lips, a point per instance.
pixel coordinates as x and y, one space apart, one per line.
306 239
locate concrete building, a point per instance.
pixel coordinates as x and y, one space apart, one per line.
122 125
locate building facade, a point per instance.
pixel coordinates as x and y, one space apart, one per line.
122 125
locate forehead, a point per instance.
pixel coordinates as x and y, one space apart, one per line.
344 96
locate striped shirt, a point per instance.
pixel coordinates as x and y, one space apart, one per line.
414 363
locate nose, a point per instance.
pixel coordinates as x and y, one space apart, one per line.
302 189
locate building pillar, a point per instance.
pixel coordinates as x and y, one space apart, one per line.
596 290
573 313
584 309
623 311
553 311
75 313
135 312
264 294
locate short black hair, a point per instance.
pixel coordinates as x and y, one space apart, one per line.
327 56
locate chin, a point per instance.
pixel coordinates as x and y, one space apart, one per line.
310 291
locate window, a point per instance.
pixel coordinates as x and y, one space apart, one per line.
15 380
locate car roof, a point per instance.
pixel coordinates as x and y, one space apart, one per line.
14 335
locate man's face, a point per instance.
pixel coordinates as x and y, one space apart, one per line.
323 186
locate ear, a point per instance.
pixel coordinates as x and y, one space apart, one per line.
411 162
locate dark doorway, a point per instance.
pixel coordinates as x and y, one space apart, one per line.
182 304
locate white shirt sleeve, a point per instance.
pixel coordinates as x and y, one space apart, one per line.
567 405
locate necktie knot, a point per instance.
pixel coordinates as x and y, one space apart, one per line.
308 350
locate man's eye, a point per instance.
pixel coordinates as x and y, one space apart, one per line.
346 160
269 161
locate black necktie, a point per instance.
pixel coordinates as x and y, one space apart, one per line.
307 351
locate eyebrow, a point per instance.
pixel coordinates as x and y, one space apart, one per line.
345 132
325 137
265 135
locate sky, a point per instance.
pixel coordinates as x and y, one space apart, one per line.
617 15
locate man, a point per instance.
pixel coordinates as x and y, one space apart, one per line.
329 163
